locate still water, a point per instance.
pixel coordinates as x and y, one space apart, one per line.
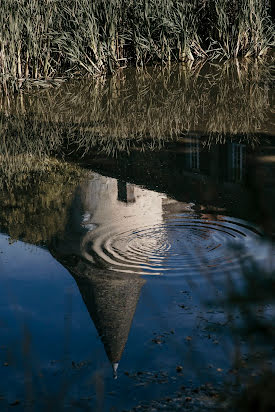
115 269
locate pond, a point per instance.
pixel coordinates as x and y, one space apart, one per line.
131 207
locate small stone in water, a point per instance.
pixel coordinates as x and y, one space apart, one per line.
179 368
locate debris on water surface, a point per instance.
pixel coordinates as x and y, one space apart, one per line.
158 340
79 365
15 403
198 399
144 378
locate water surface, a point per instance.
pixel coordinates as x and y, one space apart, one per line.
114 268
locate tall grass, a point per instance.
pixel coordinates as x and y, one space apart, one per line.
51 38
242 28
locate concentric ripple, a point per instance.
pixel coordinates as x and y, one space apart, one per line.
181 243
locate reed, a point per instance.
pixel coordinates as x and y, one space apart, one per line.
243 28
53 38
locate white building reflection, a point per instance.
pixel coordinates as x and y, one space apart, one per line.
111 298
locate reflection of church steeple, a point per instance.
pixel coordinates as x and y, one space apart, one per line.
111 300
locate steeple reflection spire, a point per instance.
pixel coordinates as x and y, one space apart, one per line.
111 300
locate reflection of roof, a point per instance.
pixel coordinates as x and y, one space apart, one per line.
111 300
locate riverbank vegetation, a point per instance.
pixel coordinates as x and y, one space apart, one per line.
54 38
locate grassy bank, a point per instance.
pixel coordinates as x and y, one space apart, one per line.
54 38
